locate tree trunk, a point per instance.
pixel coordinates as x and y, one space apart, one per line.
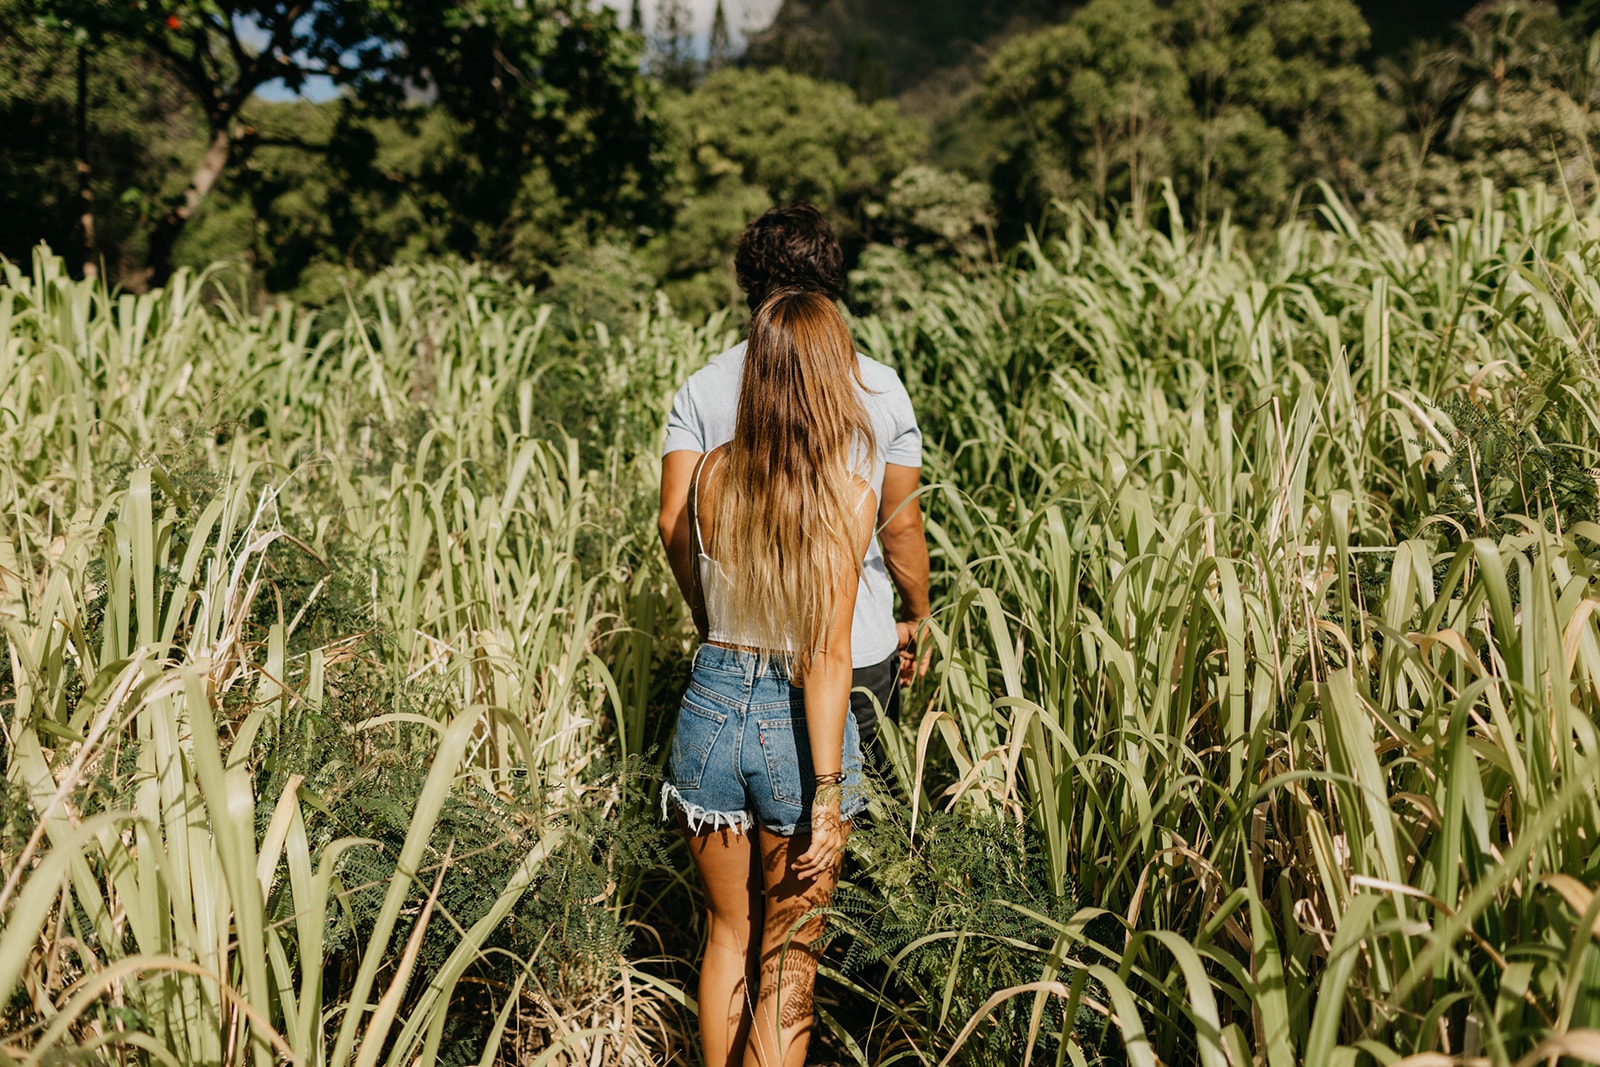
91 264
159 267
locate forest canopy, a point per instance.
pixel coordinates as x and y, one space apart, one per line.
559 139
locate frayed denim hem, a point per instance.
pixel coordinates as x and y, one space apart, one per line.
698 818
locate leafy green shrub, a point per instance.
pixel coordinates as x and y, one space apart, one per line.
1499 470
938 923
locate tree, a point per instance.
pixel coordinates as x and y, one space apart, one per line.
83 40
934 226
674 44
1099 107
720 51
1240 103
1280 99
746 140
91 124
553 111
384 190
207 47
1423 88
1507 42
554 130
1509 98
636 17
891 46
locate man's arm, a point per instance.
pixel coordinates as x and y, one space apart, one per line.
905 552
677 471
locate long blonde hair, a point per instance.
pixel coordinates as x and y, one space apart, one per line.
785 506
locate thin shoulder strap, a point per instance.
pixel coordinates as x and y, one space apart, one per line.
695 543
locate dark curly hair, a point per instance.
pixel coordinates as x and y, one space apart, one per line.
789 248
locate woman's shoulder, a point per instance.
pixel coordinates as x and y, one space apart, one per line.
863 499
711 462
707 478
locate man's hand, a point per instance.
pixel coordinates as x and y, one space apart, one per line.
914 661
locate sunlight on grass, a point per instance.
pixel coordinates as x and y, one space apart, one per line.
339 653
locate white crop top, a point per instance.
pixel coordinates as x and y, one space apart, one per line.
715 583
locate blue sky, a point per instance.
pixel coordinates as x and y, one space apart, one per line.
743 15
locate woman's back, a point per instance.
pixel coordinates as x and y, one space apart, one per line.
724 625
783 516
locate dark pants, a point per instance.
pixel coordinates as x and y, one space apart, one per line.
882 680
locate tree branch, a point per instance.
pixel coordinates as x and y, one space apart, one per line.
224 25
267 65
188 70
217 110
285 29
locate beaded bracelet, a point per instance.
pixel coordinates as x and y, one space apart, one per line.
832 778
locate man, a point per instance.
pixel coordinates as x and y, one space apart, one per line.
794 247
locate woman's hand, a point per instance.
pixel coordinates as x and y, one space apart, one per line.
827 696
827 838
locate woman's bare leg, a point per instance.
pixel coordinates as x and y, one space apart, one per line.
727 864
782 1030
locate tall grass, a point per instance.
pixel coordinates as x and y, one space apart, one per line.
1232 620
209 516
1265 586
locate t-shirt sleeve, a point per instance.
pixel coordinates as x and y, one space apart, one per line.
684 431
905 444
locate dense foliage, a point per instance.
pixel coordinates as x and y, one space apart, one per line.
1239 103
545 135
340 652
550 133
330 742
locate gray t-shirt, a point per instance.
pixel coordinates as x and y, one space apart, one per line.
702 418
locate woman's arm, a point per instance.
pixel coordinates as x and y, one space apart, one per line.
827 696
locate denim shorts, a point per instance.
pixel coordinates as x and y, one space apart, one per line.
741 753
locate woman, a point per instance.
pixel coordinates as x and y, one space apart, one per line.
765 769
